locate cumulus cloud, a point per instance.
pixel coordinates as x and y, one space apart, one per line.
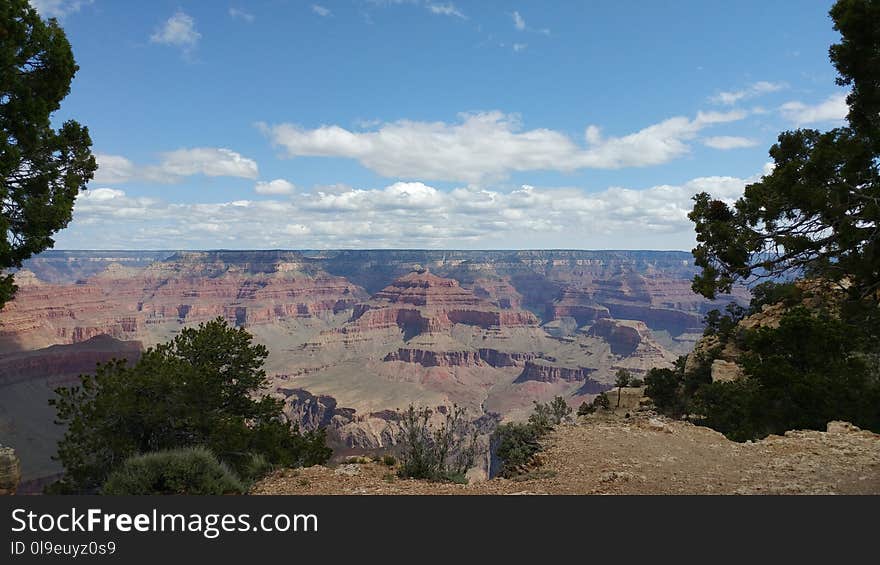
447 9
754 90
490 145
401 215
321 10
58 8
277 186
518 21
239 14
729 142
175 165
831 109
178 31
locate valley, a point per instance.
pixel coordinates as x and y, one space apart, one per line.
354 336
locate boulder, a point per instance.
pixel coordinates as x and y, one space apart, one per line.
10 471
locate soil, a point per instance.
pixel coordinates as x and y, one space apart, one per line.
642 454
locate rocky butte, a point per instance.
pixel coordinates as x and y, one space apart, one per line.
355 335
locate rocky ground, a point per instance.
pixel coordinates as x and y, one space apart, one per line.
644 454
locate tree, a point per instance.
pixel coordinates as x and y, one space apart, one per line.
817 212
623 377
41 170
204 388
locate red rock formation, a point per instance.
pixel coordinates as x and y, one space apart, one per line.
577 303
421 303
632 341
548 373
123 302
436 358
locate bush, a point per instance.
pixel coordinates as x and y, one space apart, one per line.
204 388
193 471
444 454
601 401
810 370
635 382
546 416
585 408
514 444
389 460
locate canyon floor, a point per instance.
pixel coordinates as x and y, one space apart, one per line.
643 454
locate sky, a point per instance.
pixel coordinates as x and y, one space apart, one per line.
430 124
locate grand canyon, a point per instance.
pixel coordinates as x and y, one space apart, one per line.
354 336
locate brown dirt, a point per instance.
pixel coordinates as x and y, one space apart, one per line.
641 455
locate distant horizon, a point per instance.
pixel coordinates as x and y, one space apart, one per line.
371 249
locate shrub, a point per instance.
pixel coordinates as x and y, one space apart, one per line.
635 382
601 401
180 471
443 454
389 460
546 416
514 444
585 408
203 388
560 410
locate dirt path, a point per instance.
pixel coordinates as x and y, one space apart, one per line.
642 455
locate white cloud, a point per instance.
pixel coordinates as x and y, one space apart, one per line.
729 142
179 31
401 215
490 145
58 8
754 90
831 109
321 10
175 165
277 186
238 14
447 9
209 161
520 47
518 21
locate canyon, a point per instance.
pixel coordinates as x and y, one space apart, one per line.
355 335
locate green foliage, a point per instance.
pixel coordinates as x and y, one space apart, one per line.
41 170
389 460
191 470
817 212
514 444
723 325
664 389
601 402
770 292
622 379
810 370
201 389
559 409
547 415
443 454
585 408
636 382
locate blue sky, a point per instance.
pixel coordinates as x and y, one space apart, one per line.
359 123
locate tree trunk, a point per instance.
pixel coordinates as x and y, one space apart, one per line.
618 396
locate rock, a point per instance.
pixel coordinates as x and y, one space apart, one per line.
659 425
838 427
350 469
10 471
725 371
